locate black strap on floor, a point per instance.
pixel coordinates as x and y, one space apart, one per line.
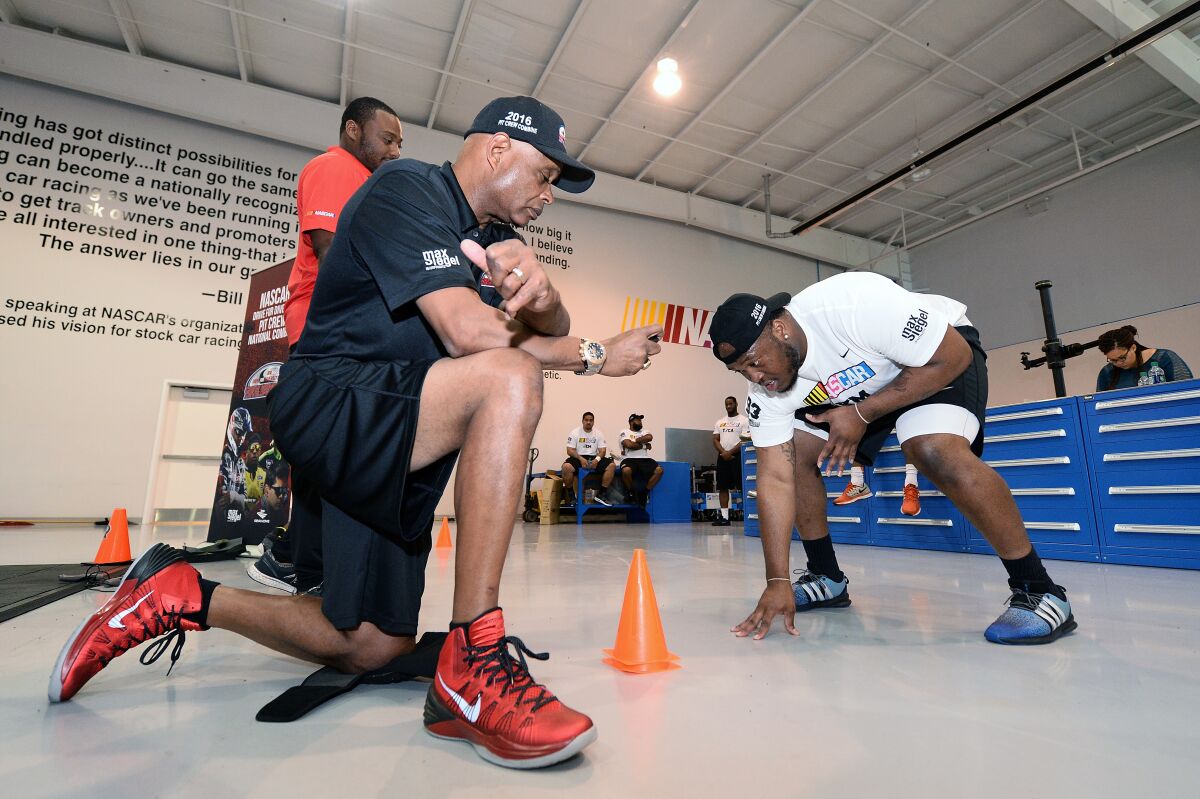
224 549
327 683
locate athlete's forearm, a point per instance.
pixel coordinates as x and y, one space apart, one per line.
777 506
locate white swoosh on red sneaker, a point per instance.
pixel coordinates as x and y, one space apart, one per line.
471 711
116 623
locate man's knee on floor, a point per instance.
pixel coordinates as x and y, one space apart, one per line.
369 648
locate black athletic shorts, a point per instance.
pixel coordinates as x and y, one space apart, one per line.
600 467
969 390
349 428
729 473
642 468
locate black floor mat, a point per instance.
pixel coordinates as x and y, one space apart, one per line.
26 588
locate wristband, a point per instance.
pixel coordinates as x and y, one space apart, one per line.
860 416
785 579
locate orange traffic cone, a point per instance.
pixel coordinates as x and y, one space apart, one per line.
114 547
641 645
444 534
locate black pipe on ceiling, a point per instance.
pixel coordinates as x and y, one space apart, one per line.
1120 50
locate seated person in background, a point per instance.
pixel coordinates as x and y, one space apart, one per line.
728 434
587 449
639 472
858 489
1131 364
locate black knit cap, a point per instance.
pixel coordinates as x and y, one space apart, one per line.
740 321
531 121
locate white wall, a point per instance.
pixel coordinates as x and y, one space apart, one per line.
1120 243
91 400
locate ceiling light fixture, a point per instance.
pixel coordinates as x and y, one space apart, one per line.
668 82
920 174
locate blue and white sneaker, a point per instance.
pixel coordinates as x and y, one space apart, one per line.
1031 619
814 591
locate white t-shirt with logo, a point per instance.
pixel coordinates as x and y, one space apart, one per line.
586 444
731 429
627 435
862 329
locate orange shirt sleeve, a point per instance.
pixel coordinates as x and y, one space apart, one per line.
323 189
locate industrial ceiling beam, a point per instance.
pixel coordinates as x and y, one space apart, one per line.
1175 56
1116 54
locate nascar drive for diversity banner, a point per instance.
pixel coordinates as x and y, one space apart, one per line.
681 324
253 485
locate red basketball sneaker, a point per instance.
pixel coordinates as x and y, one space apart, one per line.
153 596
481 694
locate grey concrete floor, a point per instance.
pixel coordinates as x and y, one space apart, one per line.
898 695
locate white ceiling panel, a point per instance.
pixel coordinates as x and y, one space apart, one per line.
826 95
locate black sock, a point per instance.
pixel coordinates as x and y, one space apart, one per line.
821 558
206 592
1028 574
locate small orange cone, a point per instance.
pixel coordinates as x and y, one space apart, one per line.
444 534
641 645
114 547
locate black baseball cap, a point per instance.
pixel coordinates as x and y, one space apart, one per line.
534 122
633 416
740 321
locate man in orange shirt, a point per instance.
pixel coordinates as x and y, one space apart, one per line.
370 135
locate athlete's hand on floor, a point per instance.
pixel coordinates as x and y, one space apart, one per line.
516 273
846 429
628 353
776 600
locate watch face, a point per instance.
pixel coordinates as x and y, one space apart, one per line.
594 351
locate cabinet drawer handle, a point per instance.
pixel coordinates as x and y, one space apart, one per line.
749 448
1043 492
899 494
918 522
888 470
751 460
893 448
1170 529
752 494
1008 417
1154 489
1154 454
1168 397
1029 462
752 516
1025 436
752 477
844 519
1178 421
1051 525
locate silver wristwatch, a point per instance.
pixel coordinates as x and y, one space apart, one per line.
592 354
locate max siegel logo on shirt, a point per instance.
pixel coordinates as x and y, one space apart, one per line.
915 325
439 259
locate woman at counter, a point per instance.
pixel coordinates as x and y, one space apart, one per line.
1132 364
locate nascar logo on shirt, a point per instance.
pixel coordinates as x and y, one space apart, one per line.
439 259
838 382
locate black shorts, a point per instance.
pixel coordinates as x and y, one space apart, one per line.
729 473
969 390
642 468
600 467
348 427
368 577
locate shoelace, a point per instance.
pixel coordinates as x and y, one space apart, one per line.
805 576
1023 599
153 652
499 664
